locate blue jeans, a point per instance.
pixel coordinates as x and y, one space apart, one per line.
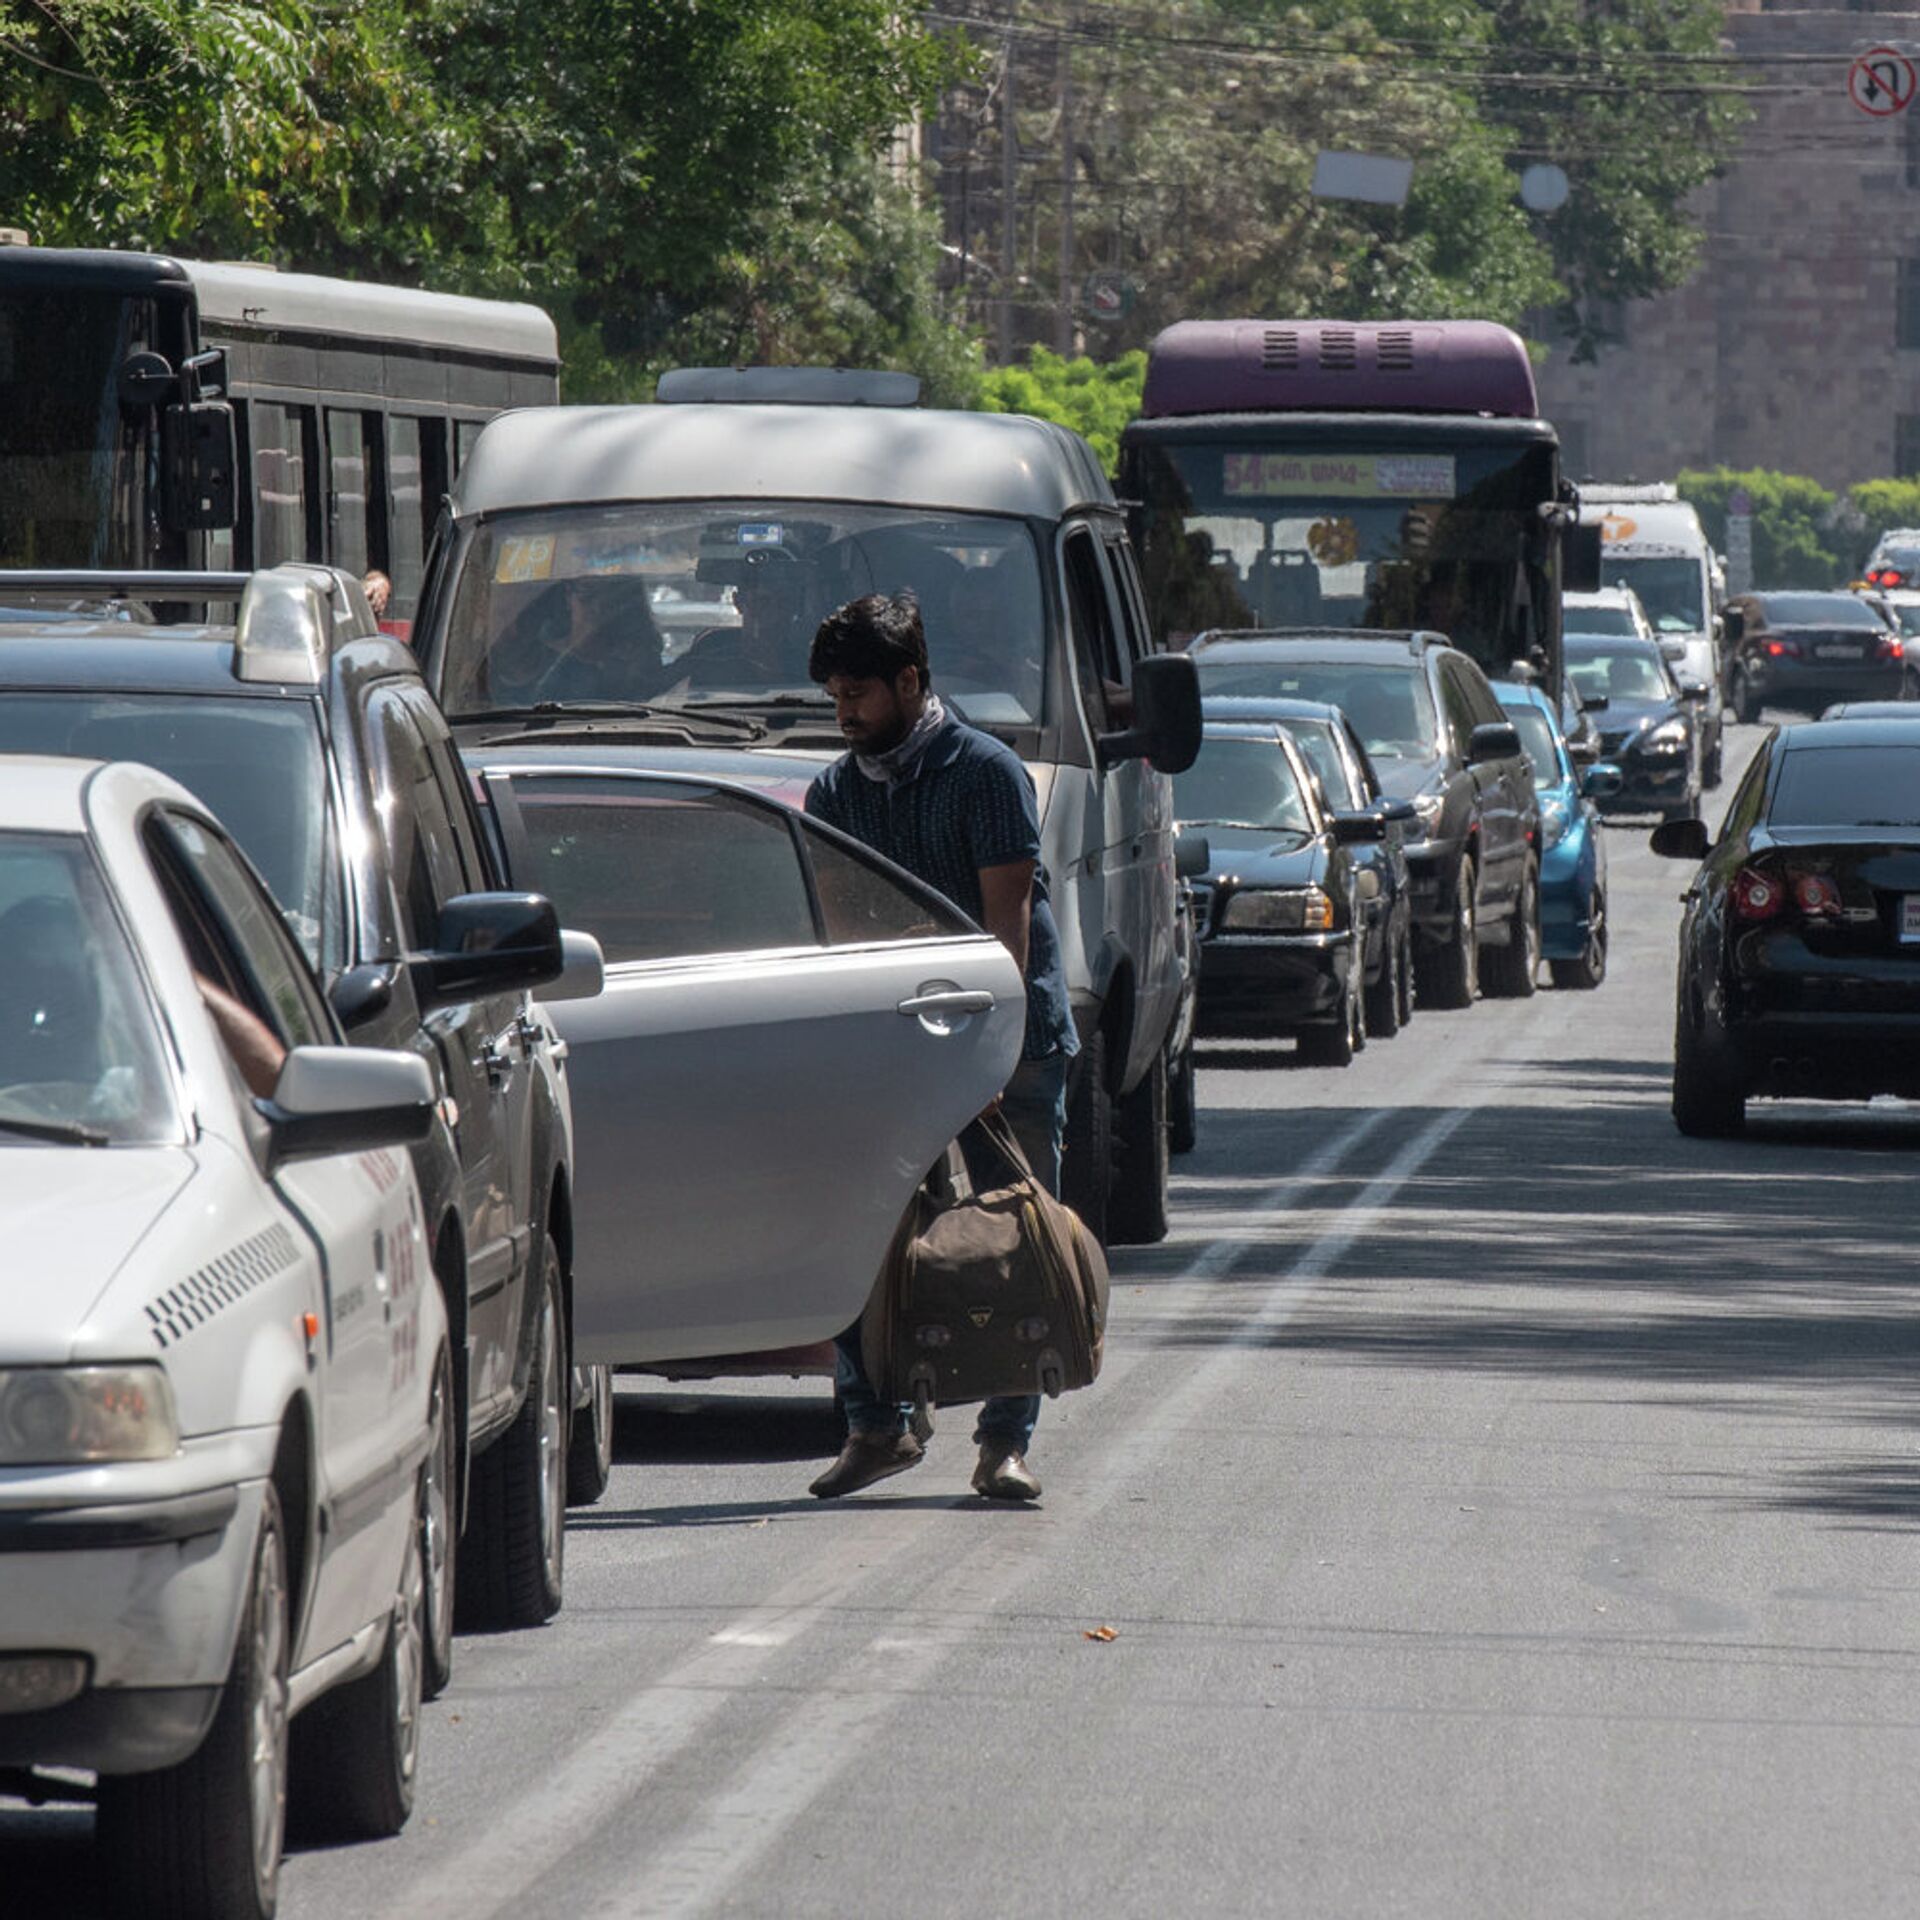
1035 1105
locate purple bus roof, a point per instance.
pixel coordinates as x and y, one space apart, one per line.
1339 366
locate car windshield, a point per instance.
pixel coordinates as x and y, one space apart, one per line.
80 1057
1853 786
1671 587
256 764
1619 673
715 603
1617 621
1315 739
1821 610
1389 704
1537 741
1241 783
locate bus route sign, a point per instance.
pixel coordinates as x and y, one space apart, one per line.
1881 82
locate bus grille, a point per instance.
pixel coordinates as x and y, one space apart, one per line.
1280 351
1339 350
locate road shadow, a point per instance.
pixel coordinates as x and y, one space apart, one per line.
656 1424
750 1513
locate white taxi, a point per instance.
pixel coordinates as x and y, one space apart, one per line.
225 1451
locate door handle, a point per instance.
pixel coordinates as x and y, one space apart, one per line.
949 1001
496 1063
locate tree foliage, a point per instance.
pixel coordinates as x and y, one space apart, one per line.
1095 400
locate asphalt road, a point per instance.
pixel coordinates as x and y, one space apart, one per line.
1501 1507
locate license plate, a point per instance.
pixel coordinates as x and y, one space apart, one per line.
1910 917
1837 650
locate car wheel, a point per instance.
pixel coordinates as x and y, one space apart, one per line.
356 1750
1714 771
1086 1162
1450 973
1336 1044
590 1452
439 1548
1183 1101
1137 1214
513 1555
205 1837
1746 709
1910 686
1383 997
1708 1101
1406 978
1512 970
1589 968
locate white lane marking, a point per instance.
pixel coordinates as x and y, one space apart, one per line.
814 1742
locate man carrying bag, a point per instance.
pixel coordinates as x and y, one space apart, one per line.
955 808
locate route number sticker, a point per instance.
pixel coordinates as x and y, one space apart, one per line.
1881 82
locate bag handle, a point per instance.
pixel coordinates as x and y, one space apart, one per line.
997 1130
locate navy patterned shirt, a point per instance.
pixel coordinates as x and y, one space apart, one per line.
968 803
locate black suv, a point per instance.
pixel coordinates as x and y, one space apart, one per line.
1439 739
309 733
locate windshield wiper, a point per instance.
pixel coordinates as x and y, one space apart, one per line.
68 1133
759 703
617 710
1886 823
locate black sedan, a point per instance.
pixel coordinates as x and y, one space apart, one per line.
1349 784
1803 651
1800 948
1648 722
1280 903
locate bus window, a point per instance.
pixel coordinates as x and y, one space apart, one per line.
348 491
406 488
282 451
465 433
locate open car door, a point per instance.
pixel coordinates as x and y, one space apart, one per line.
791 1031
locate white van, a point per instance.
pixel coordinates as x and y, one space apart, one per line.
1652 541
700 542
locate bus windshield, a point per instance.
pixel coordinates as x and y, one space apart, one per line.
1672 588
71 459
714 603
1249 530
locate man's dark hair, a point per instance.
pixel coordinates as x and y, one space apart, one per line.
872 638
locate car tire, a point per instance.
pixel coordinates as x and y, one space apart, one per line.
439 1531
1406 980
356 1750
1714 771
1708 1101
590 1451
1449 975
1910 686
1183 1101
1746 709
1384 996
1137 1214
1511 972
1086 1161
513 1554
1336 1044
202 1840
1587 969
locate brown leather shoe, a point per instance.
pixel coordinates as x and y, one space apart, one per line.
865 1458
1003 1473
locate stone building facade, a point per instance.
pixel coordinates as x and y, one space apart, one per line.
1797 343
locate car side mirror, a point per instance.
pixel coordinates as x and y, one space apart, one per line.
330 1100
1580 559
1397 813
584 972
199 461
1602 781
1598 704
490 943
1673 649
1733 624
1680 839
1192 856
1166 716
1583 751
1358 829
1493 740
361 992
1692 689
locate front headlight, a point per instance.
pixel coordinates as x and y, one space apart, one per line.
1670 736
1269 910
66 1416
1555 817
1429 806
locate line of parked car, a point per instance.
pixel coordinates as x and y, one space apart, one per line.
394 1042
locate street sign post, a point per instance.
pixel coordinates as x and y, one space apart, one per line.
1739 541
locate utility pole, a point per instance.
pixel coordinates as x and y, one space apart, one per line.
1063 320
1009 166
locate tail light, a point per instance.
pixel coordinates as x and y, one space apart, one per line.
1890 648
1782 649
1886 577
1757 895
1816 895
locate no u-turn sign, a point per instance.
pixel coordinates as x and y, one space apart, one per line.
1881 81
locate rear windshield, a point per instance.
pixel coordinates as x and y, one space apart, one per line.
1389 704
1241 783
1859 786
1617 620
1820 610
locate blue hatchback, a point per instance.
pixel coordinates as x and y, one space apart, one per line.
1573 853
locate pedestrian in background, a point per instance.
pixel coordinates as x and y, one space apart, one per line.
956 809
